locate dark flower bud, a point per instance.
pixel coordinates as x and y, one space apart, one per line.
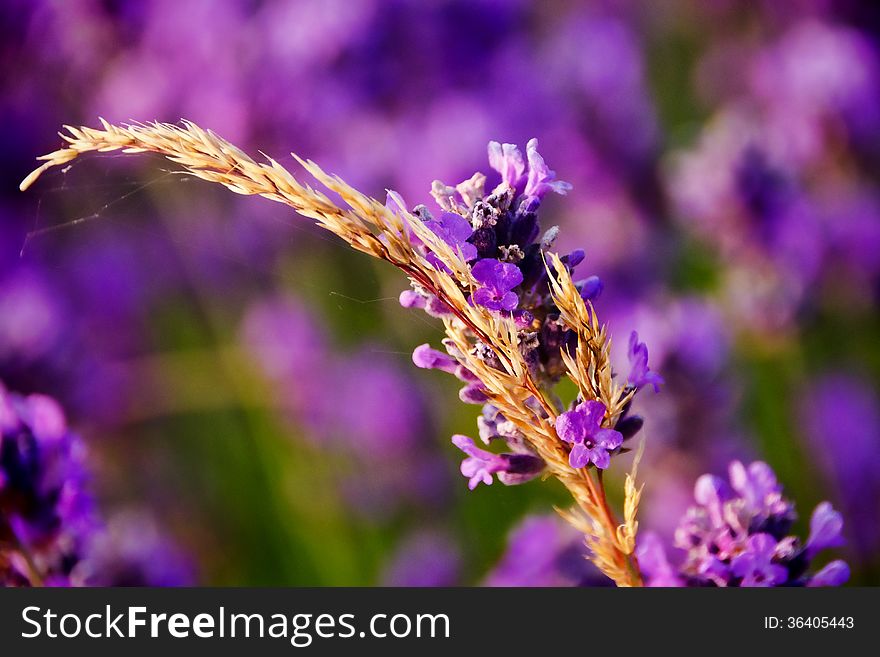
484 240
502 227
524 229
629 426
520 468
590 288
573 259
532 267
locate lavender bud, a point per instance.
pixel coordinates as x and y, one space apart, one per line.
485 242
524 229
590 288
629 426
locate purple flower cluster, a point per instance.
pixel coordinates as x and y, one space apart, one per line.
582 427
737 535
50 530
47 514
756 184
499 233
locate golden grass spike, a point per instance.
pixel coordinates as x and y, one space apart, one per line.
369 226
626 533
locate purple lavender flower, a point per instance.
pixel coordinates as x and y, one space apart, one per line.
826 527
48 515
582 427
507 160
426 357
541 178
498 280
427 302
50 530
640 374
755 565
511 469
761 494
736 536
590 288
505 231
455 231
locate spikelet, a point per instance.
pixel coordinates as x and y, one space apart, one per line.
590 366
386 233
626 533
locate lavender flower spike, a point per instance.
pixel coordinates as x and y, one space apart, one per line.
51 533
639 374
583 428
47 512
513 356
511 469
736 536
498 280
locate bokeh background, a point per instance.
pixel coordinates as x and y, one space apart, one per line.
243 381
